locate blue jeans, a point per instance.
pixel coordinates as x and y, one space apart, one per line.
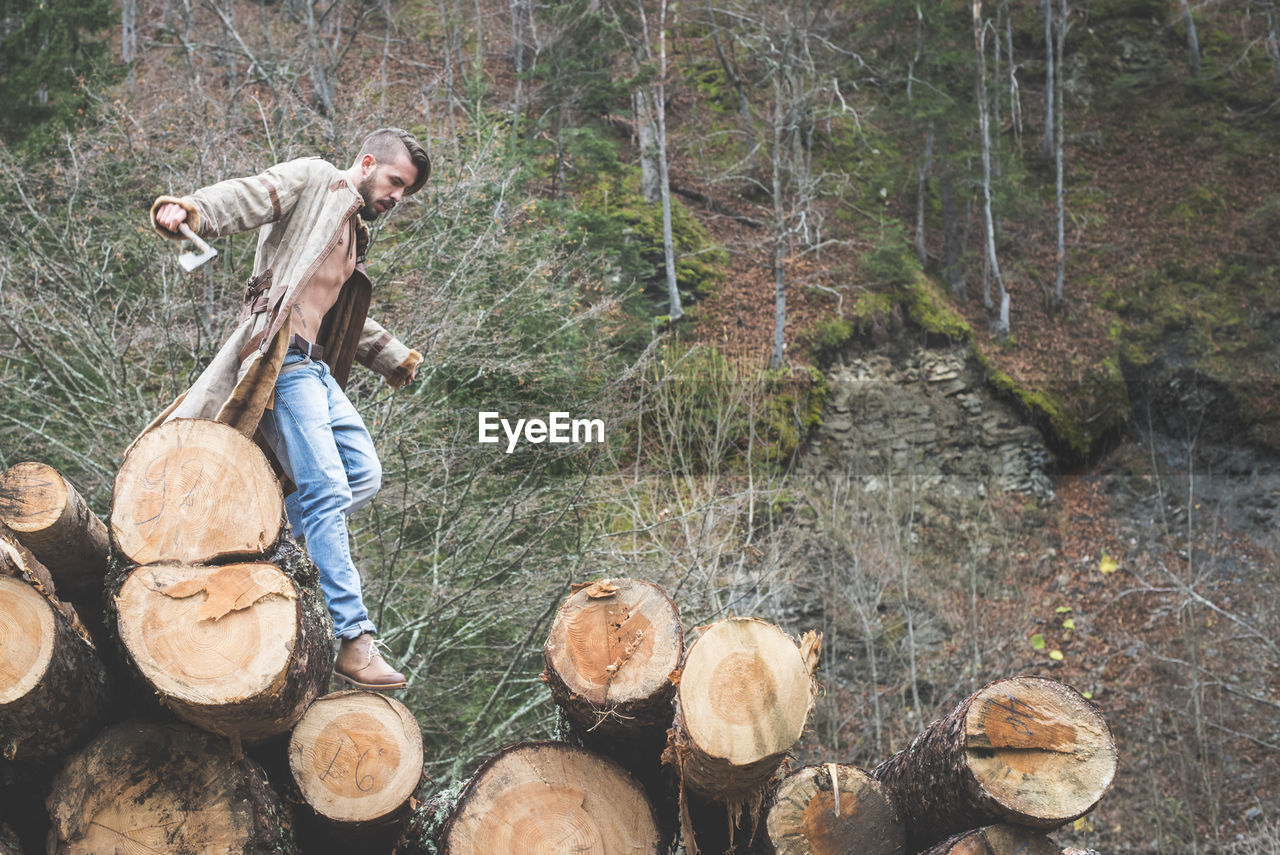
325 449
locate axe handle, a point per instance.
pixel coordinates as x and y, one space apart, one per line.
193 237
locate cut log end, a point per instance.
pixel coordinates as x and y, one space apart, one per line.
159 788
52 520
744 696
28 631
237 649
356 757
997 840
195 491
33 497
831 810
551 797
612 649
1039 749
197 633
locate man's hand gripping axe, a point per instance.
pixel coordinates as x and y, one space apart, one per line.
191 260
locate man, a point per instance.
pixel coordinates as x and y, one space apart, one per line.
281 373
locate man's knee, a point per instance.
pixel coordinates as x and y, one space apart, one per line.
365 484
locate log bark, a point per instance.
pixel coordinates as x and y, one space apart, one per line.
540 797
141 787
997 840
194 491
54 691
52 520
9 843
355 759
744 696
1024 750
611 653
831 810
240 650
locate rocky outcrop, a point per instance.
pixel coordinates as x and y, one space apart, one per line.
924 415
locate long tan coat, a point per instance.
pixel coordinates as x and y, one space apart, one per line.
300 208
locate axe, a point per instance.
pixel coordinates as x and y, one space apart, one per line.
191 260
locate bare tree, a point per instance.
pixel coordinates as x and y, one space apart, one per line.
1193 41
1046 142
1273 41
1000 322
1056 95
651 100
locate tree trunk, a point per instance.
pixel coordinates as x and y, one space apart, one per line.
611 653
194 491
1046 141
997 840
54 691
240 650
1273 40
832 810
53 521
1059 137
649 178
1193 41
539 797
356 758
164 788
999 326
744 696
952 239
1025 750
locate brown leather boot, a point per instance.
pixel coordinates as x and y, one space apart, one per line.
360 664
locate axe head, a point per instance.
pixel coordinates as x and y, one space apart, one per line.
202 253
191 260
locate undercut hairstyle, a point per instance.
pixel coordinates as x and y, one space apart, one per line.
386 143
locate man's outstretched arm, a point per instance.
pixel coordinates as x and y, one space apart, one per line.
237 204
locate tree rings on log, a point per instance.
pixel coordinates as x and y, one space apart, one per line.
745 694
195 491
53 521
237 649
831 810
611 653
356 756
1024 750
551 797
164 788
997 840
53 687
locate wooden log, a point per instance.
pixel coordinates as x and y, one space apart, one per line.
9 842
54 691
356 761
611 654
831 810
53 521
612 657
539 797
240 650
1024 750
997 840
194 491
744 696
145 787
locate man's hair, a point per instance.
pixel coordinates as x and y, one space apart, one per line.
386 143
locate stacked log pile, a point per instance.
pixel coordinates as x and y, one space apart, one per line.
163 678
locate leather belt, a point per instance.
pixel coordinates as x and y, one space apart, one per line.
309 349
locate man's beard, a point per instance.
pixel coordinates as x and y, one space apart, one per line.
369 212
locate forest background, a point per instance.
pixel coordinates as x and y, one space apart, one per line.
684 219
